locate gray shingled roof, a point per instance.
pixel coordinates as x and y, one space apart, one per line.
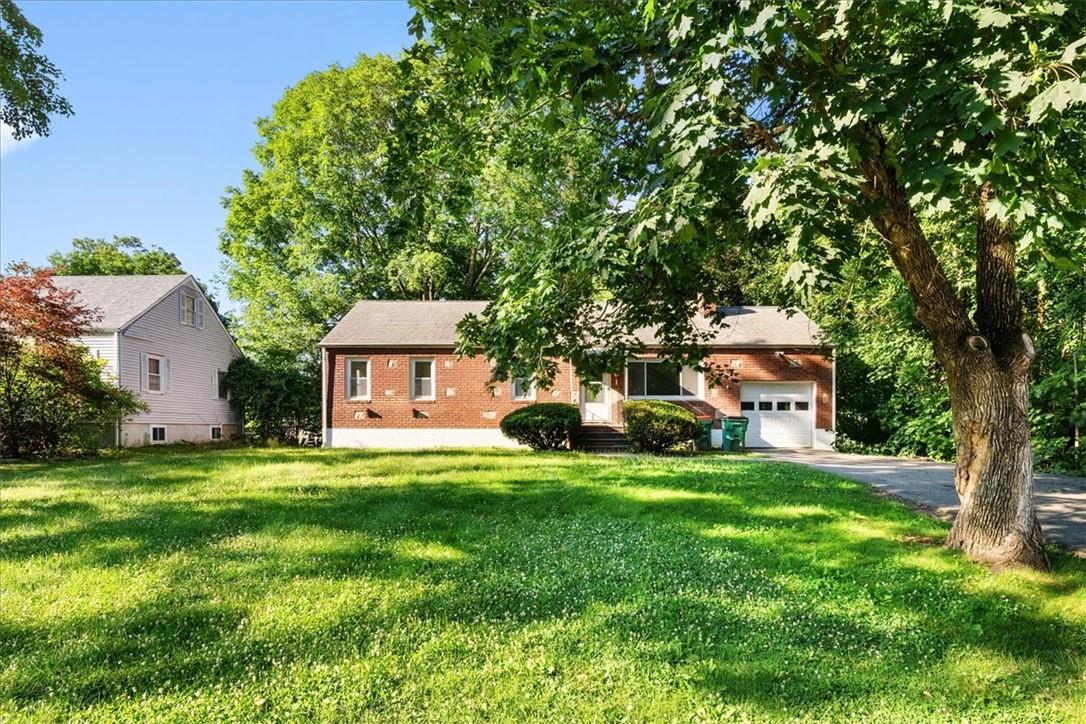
387 323
120 299
755 327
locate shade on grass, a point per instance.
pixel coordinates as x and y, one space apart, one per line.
462 585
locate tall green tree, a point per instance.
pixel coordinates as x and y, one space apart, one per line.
123 255
812 119
28 80
392 180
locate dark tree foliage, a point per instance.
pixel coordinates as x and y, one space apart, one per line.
28 81
279 401
121 256
811 121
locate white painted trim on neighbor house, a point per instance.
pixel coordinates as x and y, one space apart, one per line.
324 396
415 438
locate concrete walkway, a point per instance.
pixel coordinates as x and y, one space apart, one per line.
1061 500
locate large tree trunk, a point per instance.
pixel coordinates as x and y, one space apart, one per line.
997 521
987 361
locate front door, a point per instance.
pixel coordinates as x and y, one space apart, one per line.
596 401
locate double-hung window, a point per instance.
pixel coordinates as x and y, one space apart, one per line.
523 389
656 378
220 385
422 379
188 309
358 378
154 374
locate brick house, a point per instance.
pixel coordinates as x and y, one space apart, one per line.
391 378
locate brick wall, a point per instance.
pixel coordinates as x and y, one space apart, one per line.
731 367
462 400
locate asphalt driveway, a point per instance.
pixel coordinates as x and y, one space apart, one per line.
1061 500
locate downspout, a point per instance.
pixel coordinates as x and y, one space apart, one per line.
117 357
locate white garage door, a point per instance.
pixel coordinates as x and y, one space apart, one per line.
781 413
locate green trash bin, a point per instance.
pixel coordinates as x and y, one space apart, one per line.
735 434
704 441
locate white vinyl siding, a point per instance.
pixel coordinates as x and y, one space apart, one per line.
193 357
103 347
422 379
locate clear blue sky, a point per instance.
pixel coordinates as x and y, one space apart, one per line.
166 95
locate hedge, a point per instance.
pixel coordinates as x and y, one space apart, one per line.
543 426
657 426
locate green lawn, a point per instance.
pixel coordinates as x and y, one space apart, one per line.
336 585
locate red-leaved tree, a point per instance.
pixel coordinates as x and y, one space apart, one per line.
52 395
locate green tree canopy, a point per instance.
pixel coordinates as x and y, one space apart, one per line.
28 80
809 120
393 180
123 255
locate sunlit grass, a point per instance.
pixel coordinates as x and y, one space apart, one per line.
335 585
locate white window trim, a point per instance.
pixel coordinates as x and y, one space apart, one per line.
530 397
699 395
210 436
161 376
165 434
433 379
347 379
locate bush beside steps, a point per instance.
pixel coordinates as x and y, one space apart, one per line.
657 426
543 426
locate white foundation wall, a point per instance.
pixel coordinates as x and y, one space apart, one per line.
823 439
135 434
416 438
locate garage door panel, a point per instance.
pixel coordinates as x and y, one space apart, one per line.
781 414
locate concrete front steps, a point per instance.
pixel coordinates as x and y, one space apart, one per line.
601 438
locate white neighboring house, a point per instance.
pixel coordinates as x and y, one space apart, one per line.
160 338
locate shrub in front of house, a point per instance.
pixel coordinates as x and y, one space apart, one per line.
657 426
543 426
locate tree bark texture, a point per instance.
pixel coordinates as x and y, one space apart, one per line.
987 362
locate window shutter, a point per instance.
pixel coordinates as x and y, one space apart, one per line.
181 306
199 313
143 371
214 384
165 374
